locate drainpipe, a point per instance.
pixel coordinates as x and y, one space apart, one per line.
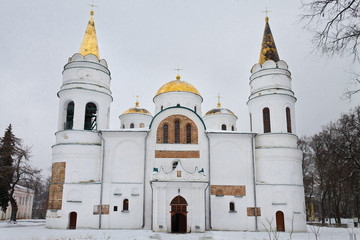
152 205
205 202
254 180
102 174
206 134
145 149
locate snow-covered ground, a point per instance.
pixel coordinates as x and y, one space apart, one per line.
35 230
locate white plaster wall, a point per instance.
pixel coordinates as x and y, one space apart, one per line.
185 99
215 121
231 164
136 118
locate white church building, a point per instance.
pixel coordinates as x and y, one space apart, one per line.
177 169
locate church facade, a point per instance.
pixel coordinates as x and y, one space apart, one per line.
176 170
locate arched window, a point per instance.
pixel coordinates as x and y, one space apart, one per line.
126 205
166 133
232 207
288 120
232 128
141 125
69 116
131 125
194 108
266 120
123 126
178 105
174 164
162 108
177 131
90 116
188 133
223 127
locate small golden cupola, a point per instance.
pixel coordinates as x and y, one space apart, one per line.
89 44
177 86
268 47
137 109
219 109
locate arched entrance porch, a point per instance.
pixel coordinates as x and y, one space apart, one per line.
178 215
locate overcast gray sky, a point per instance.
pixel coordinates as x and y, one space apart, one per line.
216 42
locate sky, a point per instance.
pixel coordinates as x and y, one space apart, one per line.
216 42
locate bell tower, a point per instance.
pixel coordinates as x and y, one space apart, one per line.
278 161
85 99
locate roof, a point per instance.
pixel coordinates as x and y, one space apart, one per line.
268 47
89 44
177 86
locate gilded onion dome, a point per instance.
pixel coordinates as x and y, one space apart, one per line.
137 109
177 86
219 110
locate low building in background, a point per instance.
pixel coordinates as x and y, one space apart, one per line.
24 198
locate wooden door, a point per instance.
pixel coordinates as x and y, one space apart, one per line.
72 224
280 222
178 215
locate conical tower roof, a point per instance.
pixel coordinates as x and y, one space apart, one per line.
89 44
268 47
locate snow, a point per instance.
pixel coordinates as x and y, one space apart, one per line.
35 230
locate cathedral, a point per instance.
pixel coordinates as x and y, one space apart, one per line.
176 169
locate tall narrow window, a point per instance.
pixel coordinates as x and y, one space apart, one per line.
266 120
166 133
223 127
126 205
90 116
288 120
69 116
131 125
177 131
232 128
232 207
188 133
194 108
162 108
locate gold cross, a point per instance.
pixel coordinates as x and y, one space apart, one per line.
219 104
178 69
266 11
137 101
92 5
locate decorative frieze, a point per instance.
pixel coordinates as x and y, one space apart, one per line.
228 190
176 154
251 212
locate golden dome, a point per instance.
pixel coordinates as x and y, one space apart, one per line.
137 110
177 86
219 111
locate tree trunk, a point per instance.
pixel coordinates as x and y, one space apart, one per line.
14 209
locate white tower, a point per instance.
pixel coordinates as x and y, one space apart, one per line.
85 99
279 182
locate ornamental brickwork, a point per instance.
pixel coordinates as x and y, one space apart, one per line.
176 154
170 121
56 185
251 212
228 190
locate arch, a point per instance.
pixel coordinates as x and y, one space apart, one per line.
188 133
126 204
178 215
223 127
90 116
132 125
181 134
165 133
177 131
288 120
232 207
123 126
266 120
280 222
72 220
232 128
69 116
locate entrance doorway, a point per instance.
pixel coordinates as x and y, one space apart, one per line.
280 223
178 215
72 224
